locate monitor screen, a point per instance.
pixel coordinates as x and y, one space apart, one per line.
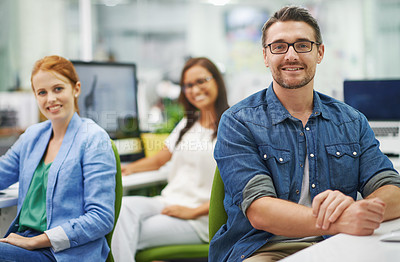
109 97
378 100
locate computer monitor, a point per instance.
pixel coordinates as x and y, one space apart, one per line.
109 97
378 100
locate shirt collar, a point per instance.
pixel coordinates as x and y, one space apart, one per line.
319 108
279 112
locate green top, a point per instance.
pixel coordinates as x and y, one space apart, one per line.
33 211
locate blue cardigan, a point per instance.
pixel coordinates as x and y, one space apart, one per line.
80 190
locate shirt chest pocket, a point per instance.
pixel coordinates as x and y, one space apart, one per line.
278 163
343 160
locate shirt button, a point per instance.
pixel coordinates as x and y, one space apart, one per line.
311 155
307 128
354 153
265 156
338 153
313 185
316 113
242 256
281 159
297 191
301 134
301 165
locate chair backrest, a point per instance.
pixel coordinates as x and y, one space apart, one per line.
118 198
217 214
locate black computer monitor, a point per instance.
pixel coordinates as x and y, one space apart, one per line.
378 100
109 97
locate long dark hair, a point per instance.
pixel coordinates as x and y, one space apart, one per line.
220 104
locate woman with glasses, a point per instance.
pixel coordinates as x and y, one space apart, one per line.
66 169
180 214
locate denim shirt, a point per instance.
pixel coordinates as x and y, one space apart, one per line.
258 136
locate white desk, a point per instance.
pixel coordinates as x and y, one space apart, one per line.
9 196
8 207
144 179
347 248
391 145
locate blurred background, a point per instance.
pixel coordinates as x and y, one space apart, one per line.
361 37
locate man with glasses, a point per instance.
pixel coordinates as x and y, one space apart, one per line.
292 160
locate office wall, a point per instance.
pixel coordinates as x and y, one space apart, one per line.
8 45
361 38
40 32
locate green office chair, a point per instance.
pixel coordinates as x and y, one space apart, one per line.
217 217
118 198
173 252
217 214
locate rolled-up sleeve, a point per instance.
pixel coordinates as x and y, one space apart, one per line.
58 239
387 177
259 186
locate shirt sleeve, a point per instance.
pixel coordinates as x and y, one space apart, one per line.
170 142
237 156
58 239
259 186
97 168
372 160
388 177
10 163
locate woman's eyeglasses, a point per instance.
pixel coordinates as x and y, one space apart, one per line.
199 83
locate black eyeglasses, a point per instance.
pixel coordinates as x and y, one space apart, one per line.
303 46
199 82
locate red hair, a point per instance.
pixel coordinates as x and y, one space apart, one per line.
59 65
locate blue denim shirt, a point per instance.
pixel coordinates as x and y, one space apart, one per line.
258 136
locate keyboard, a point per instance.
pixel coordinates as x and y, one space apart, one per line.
386 131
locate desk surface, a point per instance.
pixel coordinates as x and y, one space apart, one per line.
347 248
143 179
9 196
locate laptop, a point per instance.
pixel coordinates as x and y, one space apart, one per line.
379 101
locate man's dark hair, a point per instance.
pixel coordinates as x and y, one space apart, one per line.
292 13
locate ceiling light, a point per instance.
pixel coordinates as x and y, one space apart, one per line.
219 2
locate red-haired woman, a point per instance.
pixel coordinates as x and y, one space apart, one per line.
66 168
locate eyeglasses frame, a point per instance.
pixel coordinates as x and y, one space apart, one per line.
292 44
206 80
